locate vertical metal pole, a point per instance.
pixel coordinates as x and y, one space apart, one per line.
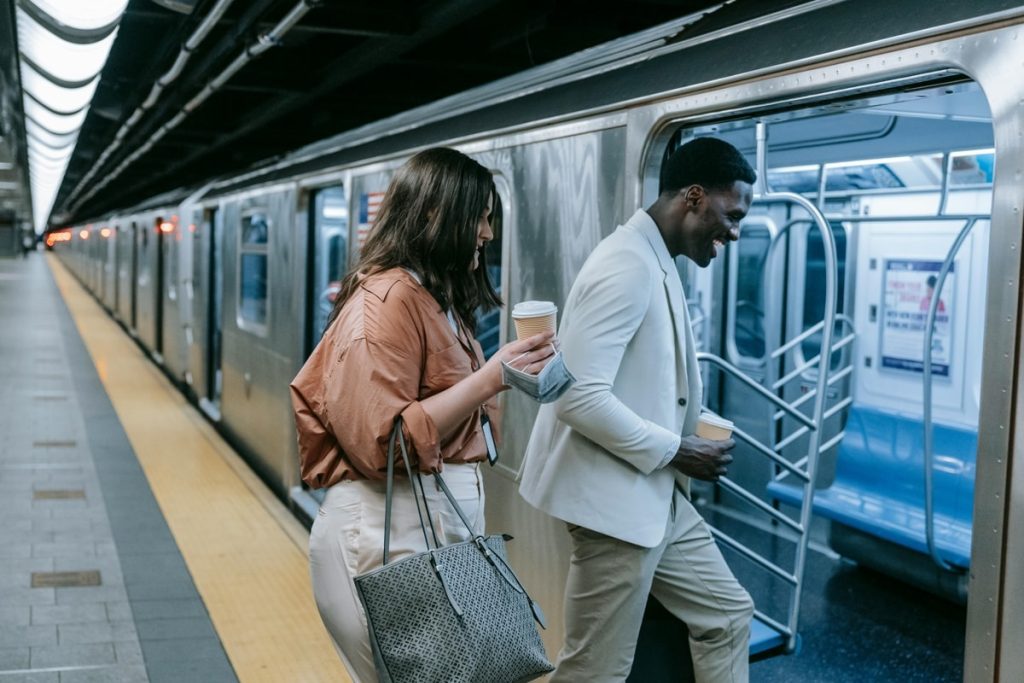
822 185
761 185
947 171
814 445
926 384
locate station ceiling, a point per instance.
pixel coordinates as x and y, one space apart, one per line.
345 63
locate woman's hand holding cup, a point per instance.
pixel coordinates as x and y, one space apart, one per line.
529 355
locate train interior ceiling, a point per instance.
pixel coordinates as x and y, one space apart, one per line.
904 173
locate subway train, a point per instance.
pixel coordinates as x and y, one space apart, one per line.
862 334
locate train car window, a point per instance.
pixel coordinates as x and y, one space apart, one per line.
814 289
253 270
488 325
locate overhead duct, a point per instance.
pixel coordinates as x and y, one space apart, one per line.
263 43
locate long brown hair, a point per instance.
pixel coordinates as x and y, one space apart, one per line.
428 223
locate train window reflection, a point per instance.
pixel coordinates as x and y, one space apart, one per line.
254 229
749 324
253 271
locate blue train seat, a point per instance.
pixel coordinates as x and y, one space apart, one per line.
879 483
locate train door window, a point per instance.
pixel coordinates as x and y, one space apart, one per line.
748 262
814 289
330 226
170 252
253 269
488 325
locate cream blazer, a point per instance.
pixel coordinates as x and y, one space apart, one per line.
596 457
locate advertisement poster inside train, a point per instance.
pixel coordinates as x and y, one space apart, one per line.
908 290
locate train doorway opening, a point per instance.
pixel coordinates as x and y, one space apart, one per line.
135 276
902 180
328 258
158 318
215 307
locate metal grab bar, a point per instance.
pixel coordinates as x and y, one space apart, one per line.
845 218
778 626
741 492
796 372
833 379
926 390
811 331
731 369
829 414
755 557
769 453
814 441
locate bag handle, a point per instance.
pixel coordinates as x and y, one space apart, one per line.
396 434
399 436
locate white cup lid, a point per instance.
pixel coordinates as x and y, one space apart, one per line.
532 309
715 420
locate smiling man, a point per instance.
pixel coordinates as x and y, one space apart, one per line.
614 456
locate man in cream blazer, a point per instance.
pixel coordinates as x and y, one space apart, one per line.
613 457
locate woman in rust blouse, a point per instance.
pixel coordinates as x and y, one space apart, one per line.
400 342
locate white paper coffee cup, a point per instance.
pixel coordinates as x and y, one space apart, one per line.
534 317
711 426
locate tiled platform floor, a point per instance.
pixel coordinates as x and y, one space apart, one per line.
73 498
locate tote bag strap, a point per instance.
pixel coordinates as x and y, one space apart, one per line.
397 435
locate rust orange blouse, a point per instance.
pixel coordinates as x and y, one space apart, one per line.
391 347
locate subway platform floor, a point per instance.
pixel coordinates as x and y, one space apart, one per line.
134 545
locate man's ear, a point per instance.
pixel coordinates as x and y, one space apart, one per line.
693 195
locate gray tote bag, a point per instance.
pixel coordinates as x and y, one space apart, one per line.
454 613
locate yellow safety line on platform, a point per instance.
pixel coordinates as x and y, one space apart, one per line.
245 551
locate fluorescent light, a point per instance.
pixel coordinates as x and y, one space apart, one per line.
973 152
54 122
83 14
58 57
59 76
61 99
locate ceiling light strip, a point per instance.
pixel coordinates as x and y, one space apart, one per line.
50 131
78 36
56 80
52 110
73 44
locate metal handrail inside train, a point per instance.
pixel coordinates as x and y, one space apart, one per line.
926 387
806 469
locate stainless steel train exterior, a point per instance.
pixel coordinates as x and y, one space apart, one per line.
225 284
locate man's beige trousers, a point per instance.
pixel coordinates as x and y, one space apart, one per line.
606 593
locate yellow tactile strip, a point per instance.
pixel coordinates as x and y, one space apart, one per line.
245 552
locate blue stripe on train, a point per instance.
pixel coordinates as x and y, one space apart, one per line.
879 483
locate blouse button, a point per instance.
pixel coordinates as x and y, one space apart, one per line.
682 401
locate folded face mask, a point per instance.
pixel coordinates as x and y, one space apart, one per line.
544 387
